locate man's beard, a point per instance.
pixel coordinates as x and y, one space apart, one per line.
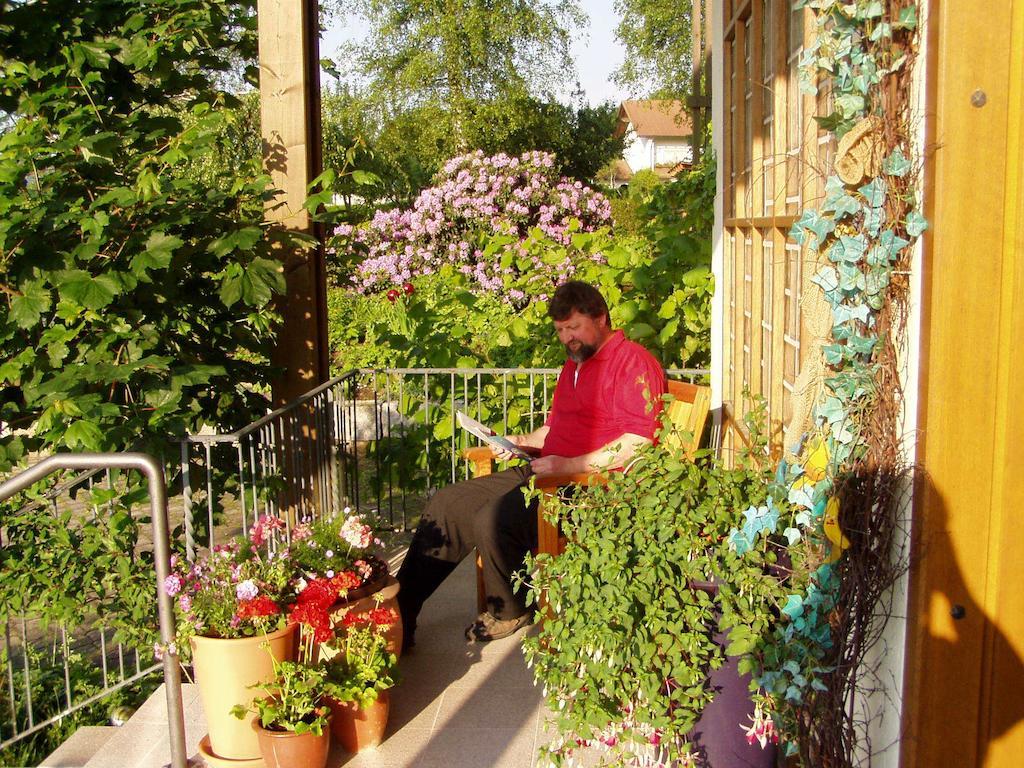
581 355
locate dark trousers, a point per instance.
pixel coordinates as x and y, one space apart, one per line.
487 513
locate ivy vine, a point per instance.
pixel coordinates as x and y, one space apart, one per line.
849 479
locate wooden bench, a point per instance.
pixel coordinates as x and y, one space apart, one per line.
687 413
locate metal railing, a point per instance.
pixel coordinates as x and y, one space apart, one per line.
161 555
376 441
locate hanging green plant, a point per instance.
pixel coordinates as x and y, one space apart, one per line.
633 626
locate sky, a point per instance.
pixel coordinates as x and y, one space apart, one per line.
595 50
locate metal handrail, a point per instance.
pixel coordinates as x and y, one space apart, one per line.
238 434
154 473
230 437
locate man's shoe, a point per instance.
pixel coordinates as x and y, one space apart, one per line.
487 627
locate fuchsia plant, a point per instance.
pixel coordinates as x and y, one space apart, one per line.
473 196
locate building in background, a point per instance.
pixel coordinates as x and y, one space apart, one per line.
658 138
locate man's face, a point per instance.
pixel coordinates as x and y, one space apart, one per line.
582 335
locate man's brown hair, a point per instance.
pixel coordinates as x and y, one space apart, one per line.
577 296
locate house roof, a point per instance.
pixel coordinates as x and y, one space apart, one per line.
654 117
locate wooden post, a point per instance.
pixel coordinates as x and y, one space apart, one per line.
697 66
290 119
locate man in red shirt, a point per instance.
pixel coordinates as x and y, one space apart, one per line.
605 406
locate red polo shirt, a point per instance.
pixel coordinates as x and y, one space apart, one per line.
618 390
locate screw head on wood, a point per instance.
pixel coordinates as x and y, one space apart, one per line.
978 98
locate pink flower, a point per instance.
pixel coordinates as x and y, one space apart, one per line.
159 650
263 527
355 533
172 585
246 590
185 603
762 728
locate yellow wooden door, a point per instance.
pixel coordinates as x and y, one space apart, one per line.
964 704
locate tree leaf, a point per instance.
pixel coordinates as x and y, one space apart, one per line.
640 331
29 305
83 434
88 291
365 178
160 248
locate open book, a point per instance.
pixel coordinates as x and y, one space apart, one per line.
489 436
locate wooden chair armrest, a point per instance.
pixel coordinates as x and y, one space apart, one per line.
551 482
481 458
477 453
483 452
549 538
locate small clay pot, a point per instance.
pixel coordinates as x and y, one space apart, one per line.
284 749
356 728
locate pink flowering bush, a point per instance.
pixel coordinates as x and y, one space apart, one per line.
475 197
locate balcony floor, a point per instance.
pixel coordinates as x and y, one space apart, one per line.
459 705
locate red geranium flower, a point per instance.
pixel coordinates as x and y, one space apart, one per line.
351 619
261 605
315 618
380 617
393 295
408 288
320 592
384 617
346 580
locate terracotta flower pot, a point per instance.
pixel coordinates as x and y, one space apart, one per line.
357 729
224 670
284 749
387 593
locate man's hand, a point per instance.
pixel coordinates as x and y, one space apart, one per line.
531 443
504 455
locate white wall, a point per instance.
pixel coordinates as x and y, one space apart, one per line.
884 710
717 243
639 152
672 151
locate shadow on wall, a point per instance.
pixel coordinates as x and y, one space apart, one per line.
966 671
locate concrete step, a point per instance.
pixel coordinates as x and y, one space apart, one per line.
143 741
79 749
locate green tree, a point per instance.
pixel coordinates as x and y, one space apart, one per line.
656 36
236 149
453 54
137 296
580 136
